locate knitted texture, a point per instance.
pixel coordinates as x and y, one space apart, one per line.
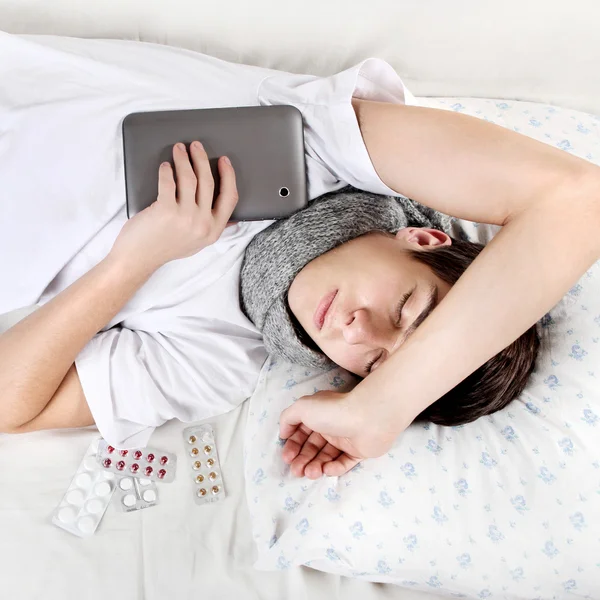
278 253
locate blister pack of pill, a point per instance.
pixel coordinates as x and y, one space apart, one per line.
150 463
84 503
204 468
135 493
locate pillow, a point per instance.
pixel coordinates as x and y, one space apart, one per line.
505 507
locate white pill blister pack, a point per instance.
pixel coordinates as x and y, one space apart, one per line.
84 503
204 468
150 463
135 493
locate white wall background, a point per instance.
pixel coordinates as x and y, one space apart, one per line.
541 50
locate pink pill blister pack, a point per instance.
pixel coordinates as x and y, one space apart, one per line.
84 503
149 463
204 468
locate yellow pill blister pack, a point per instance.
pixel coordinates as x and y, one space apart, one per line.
204 469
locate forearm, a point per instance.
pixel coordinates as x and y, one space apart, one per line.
37 352
516 279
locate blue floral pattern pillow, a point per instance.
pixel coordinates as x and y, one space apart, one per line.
506 507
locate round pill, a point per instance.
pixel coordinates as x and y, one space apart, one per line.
75 497
137 454
83 480
94 506
86 524
199 478
207 449
123 452
102 489
129 500
216 489
210 462
126 483
66 514
107 462
121 465
206 436
192 439
201 492
148 471
164 460
197 464
110 449
212 475
145 481
108 475
149 495
90 463
150 457
194 452
161 474
134 468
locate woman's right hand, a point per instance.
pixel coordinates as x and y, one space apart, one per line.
184 219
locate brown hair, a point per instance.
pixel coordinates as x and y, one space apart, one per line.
503 377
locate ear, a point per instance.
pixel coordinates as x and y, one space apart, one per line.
424 237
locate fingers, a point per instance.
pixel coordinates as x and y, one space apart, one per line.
294 444
166 183
311 447
289 421
315 468
341 465
228 195
206 184
187 181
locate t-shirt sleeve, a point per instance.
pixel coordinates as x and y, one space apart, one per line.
335 151
134 381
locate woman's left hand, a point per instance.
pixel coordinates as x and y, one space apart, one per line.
328 433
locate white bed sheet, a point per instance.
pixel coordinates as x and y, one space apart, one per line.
176 550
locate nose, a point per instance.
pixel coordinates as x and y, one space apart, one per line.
361 329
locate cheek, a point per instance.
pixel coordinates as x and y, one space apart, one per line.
342 355
298 298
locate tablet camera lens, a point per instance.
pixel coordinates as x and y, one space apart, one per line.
284 192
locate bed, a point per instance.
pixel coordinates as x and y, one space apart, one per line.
178 549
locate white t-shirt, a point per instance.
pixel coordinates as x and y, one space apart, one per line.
181 347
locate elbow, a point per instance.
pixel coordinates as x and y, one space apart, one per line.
580 198
571 193
11 419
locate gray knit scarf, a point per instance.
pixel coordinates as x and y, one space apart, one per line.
278 253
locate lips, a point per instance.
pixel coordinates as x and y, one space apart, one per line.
321 312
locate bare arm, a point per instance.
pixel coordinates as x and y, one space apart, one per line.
37 353
549 204
467 167
39 381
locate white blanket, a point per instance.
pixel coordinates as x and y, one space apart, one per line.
62 102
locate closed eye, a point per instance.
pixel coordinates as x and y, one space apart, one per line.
398 320
370 364
401 304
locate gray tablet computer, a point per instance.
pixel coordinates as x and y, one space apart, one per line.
265 145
